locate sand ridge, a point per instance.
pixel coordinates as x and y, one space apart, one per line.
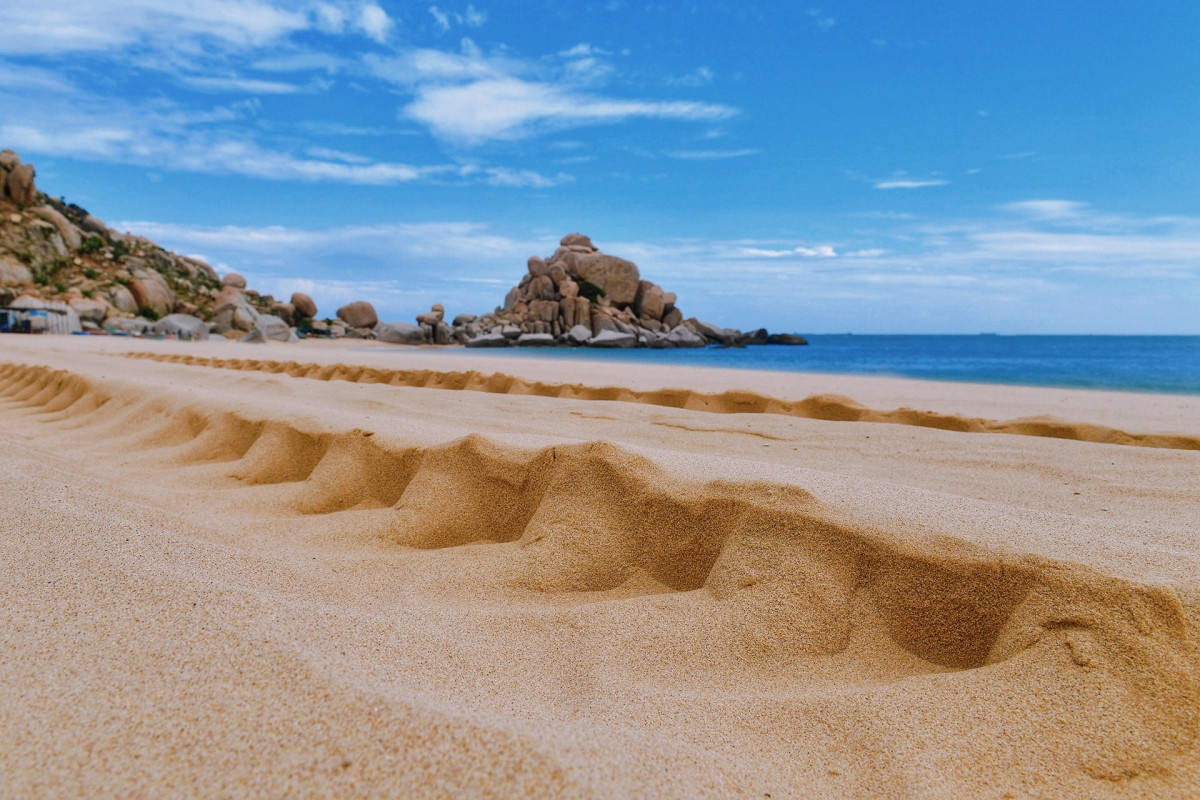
802 650
829 407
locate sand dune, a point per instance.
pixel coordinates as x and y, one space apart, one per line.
234 581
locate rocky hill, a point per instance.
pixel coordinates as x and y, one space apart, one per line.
54 251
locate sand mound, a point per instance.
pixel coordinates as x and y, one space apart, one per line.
578 617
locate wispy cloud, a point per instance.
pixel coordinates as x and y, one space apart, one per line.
820 251
710 155
236 84
469 98
166 138
56 27
504 176
513 108
820 18
701 76
909 183
471 17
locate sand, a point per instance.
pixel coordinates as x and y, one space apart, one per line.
336 569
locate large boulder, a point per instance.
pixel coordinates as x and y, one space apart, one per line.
304 305
432 317
191 265
122 299
536 266
285 311
577 240
617 277
580 334
683 336
273 327
13 272
786 338
94 225
185 326
151 290
19 184
535 340
89 310
234 313
234 279
399 333
712 333
255 336
70 234
613 339
359 314
488 340
650 302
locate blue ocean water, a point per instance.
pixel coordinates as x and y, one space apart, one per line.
1168 364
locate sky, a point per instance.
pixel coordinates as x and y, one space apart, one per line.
879 166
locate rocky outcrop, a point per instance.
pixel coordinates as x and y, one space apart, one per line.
55 251
578 296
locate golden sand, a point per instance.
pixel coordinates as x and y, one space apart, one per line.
309 570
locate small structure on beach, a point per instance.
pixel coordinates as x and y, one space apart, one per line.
31 315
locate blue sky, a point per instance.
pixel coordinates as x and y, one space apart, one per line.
861 166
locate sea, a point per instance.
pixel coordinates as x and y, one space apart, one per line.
1165 364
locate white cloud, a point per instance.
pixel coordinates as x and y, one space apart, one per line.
236 84
701 76
512 108
166 138
710 155
1048 209
820 251
471 17
820 18
57 27
504 176
908 183
441 18
374 22
583 50
14 76
469 98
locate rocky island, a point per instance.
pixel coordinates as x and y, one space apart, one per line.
57 256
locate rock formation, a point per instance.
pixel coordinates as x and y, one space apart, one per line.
52 251
579 296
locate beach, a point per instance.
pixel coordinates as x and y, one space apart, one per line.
351 569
